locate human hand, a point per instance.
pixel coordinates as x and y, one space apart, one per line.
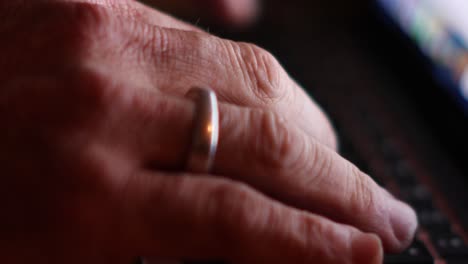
94 124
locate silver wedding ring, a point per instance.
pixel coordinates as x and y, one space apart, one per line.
205 135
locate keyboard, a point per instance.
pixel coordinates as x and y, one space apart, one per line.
439 239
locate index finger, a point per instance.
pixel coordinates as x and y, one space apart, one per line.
269 153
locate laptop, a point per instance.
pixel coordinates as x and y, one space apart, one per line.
393 76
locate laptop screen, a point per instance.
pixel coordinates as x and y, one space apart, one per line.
440 29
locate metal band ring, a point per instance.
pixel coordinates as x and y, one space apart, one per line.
205 131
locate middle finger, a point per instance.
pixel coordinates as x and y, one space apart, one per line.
273 155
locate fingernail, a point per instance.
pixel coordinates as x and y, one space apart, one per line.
367 249
404 223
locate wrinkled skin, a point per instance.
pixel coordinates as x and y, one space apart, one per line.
95 128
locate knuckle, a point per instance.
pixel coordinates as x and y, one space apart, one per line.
84 98
262 72
88 15
324 238
183 51
308 233
360 190
87 25
276 144
156 44
78 22
322 164
86 101
231 203
237 213
59 30
65 31
55 103
96 92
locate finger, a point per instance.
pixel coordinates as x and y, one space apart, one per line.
239 13
258 148
290 166
241 74
201 217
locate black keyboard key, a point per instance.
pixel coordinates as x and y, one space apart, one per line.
433 220
450 246
390 152
348 151
417 196
403 175
417 253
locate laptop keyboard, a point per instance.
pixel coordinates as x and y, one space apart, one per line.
417 253
437 238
